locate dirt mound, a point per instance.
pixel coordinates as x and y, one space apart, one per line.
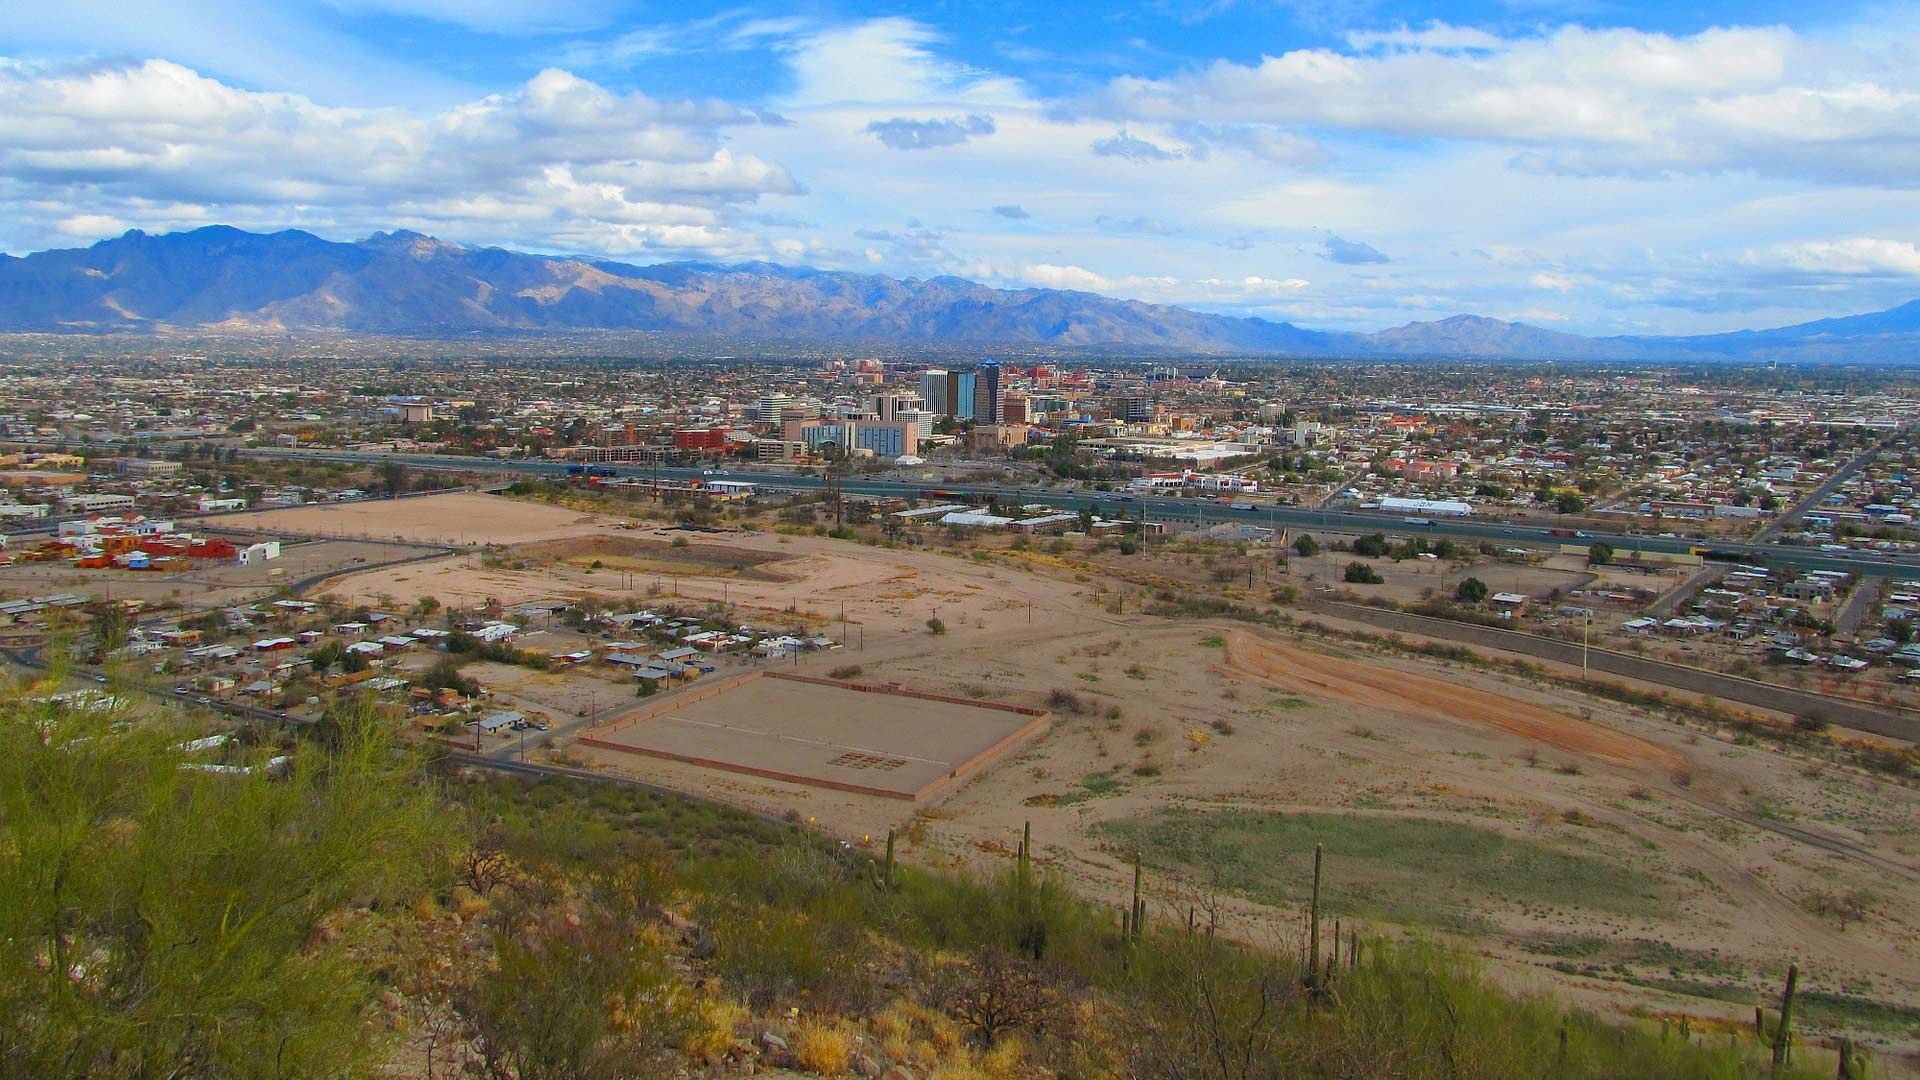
1376 687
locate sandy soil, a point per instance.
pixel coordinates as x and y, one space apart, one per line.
1220 715
819 583
462 518
1316 730
1378 688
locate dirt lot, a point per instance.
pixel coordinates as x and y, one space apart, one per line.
825 735
1411 580
1614 856
838 587
462 518
652 557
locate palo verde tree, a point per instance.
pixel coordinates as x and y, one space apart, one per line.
158 919
1471 591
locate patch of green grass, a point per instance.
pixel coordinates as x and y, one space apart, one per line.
1213 641
1291 703
1407 869
1637 952
1091 786
1824 1009
1816 1009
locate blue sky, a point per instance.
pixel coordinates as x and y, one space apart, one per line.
1586 165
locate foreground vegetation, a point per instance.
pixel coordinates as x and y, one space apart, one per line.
365 911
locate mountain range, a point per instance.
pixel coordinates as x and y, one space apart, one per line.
220 278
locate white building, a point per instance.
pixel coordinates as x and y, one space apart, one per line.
1393 504
1196 480
93 504
255 554
115 526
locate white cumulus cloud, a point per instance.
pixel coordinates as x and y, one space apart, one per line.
1582 101
558 160
1853 255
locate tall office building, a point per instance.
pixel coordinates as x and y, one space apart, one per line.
889 406
960 394
933 390
948 393
1013 407
921 419
768 409
989 393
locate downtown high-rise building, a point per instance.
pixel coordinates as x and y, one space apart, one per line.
989 393
949 393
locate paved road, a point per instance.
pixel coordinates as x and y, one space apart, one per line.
1172 509
1863 603
1670 601
1827 487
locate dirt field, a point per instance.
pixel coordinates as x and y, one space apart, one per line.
1617 858
851 591
653 557
876 742
462 518
1377 688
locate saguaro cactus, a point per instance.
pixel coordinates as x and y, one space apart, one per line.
1135 921
882 875
1783 1036
1313 920
1026 858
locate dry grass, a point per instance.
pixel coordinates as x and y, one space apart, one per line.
716 1025
822 1046
1004 1058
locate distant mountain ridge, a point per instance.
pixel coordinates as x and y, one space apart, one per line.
222 278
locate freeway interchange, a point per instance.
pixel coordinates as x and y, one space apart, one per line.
1162 508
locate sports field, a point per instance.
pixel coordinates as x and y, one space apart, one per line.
871 740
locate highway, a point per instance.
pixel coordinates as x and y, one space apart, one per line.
1162 508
